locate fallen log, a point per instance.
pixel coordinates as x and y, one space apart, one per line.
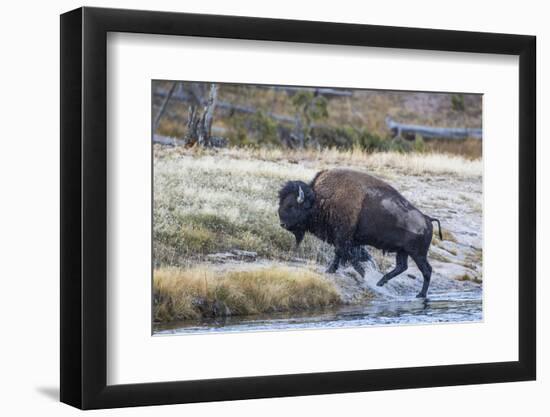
321 91
410 131
168 141
215 141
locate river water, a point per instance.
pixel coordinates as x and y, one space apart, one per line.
464 306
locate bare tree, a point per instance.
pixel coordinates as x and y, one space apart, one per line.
199 125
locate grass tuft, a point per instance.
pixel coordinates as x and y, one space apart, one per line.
200 292
467 277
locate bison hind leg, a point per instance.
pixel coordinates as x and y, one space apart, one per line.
401 266
426 269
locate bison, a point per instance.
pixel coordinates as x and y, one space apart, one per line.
349 209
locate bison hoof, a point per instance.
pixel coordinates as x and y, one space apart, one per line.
381 282
421 295
331 270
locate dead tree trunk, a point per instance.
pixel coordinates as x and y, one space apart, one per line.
199 126
208 115
299 134
163 106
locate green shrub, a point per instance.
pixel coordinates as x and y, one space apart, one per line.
265 129
371 142
419 145
401 145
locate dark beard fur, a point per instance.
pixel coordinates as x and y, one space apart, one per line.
299 235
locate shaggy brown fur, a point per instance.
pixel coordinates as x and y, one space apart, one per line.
340 193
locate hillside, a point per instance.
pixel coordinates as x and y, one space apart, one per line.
263 115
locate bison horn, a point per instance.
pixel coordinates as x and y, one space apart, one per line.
300 198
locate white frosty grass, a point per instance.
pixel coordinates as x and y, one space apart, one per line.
206 204
214 201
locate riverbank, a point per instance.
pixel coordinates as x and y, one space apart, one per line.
205 291
235 288
215 215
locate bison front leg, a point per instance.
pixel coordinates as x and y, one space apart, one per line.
344 253
335 262
353 255
364 256
357 266
401 266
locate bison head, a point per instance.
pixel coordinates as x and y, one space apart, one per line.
296 200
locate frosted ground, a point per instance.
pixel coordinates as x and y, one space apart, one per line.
218 210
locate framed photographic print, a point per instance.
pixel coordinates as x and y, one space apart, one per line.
256 208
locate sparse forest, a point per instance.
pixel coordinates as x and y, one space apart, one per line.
296 118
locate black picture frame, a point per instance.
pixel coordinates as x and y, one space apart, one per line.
84 207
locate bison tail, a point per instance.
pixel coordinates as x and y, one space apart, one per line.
432 219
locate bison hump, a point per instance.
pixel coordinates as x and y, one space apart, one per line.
340 194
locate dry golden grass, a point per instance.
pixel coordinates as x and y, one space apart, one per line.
467 148
204 292
467 277
412 163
